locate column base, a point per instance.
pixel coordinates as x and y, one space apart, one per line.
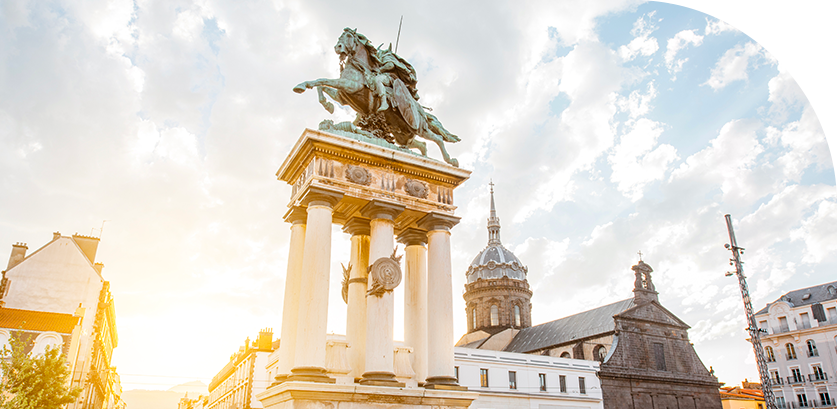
309 374
443 382
379 378
279 379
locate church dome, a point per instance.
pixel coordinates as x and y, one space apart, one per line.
495 261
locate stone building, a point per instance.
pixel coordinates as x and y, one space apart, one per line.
235 386
63 277
799 336
646 358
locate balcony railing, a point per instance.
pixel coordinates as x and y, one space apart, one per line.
776 381
793 380
809 404
822 376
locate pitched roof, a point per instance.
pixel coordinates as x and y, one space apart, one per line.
816 294
37 320
578 326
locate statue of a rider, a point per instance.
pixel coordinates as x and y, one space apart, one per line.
381 87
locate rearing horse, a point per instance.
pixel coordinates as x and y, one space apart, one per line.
405 119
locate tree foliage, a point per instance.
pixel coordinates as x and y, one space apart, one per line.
34 382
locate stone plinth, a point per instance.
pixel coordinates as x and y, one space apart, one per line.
308 395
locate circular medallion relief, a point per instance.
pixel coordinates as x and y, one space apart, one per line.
416 188
359 175
385 274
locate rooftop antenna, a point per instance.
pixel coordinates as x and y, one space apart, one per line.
101 230
399 34
766 387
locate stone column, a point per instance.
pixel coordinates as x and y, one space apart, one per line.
310 348
415 299
439 301
293 279
380 308
356 308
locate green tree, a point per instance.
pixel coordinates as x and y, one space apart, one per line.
38 382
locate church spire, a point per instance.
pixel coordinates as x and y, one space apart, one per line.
493 221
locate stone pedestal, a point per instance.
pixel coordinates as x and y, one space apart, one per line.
376 193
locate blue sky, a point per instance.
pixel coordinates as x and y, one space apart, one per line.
607 127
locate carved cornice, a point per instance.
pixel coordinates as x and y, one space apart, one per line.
379 209
321 196
296 215
437 221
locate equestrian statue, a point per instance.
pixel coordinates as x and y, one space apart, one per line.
380 87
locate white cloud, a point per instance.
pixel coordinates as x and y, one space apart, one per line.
642 44
716 27
785 95
767 11
819 232
733 65
633 161
677 43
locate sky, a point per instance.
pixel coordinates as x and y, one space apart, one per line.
607 127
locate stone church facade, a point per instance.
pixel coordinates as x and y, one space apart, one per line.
646 359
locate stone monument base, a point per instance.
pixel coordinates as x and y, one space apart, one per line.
309 395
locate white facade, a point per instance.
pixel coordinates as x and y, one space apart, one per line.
524 381
802 350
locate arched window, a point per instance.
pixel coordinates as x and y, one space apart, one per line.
791 351
565 354
474 317
768 351
495 316
600 353
516 315
812 348
49 339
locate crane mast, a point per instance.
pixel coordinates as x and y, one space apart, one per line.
753 329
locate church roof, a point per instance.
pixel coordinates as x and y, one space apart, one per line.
495 261
807 296
582 325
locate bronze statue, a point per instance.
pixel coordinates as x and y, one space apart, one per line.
380 87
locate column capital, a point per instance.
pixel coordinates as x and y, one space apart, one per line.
379 209
316 195
412 237
357 226
296 215
437 221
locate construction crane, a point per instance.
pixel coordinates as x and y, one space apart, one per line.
753 329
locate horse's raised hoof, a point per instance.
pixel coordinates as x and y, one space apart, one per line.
454 162
299 89
329 107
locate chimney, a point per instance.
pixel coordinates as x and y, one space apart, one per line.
265 339
56 235
99 267
88 245
18 254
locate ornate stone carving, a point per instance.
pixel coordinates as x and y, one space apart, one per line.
385 274
359 175
416 188
345 290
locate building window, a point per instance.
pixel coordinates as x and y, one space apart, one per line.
456 373
825 399
806 322
512 380
796 376
565 354
818 374
660 356
783 324
484 377
769 352
832 315
562 383
791 351
516 315
582 388
802 399
812 348
542 381
495 316
600 353
774 377
780 401
474 318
